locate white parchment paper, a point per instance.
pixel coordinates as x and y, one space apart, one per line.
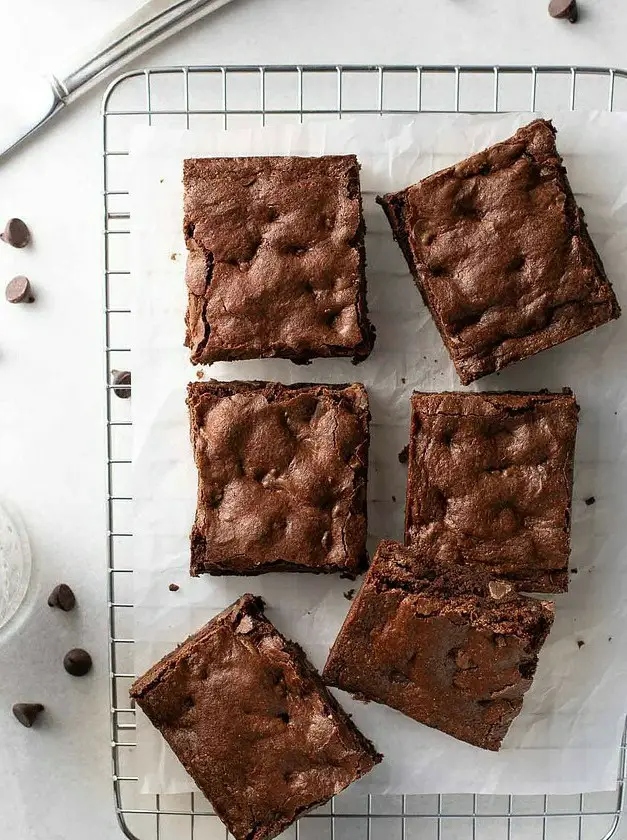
566 738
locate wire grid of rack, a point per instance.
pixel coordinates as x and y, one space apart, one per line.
212 98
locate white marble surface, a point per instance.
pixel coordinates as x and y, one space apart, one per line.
55 781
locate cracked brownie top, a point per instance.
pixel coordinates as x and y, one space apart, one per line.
445 644
501 254
252 722
282 475
275 258
490 482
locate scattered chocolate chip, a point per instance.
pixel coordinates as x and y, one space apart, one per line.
349 594
609 638
393 498
590 500
174 587
574 571
564 9
121 378
77 662
19 291
403 455
62 597
15 233
27 713
580 643
403 380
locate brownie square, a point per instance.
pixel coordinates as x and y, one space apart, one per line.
276 262
501 254
490 482
252 722
447 645
282 472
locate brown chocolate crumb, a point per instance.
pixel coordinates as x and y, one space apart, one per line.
173 257
609 638
403 455
349 594
174 587
200 374
575 570
393 498
403 380
580 643
590 500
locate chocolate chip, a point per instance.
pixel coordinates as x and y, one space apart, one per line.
62 597
499 589
77 662
27 713
403 455
575 571
174 587
393 498
15 233
245 625
121 378
564 9
349 594
590 500
580 643
19 291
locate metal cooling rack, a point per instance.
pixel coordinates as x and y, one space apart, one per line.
223 97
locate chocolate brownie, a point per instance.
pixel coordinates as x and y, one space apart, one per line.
282 473
501 254
276 262
490 482
252 722
445 644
